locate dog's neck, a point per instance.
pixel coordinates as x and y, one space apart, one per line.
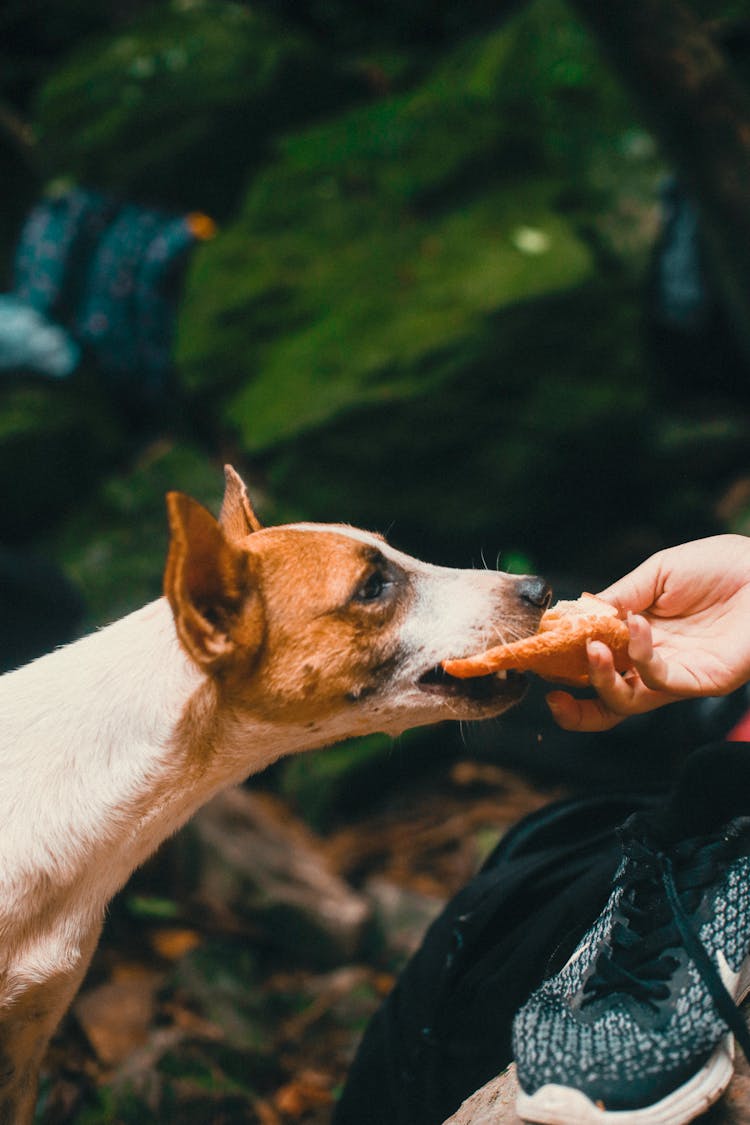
127 743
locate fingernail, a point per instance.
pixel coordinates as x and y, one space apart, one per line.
553 702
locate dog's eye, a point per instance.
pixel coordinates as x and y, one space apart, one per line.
372 588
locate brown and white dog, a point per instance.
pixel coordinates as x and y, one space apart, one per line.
269 641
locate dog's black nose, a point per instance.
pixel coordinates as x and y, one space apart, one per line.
535 591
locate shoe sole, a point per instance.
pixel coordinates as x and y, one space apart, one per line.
563 1105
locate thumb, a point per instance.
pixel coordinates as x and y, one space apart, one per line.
637 590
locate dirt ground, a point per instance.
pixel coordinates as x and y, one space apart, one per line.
192 1013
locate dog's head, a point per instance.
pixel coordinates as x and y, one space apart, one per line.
330 629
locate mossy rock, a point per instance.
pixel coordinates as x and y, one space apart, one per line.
114 547
378 319
374 255
55 440
177 106
367 262
538 444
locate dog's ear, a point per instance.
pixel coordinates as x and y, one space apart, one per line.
237 517
209 584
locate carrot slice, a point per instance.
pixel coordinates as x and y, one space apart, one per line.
557 651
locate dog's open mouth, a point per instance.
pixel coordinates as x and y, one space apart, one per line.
480 689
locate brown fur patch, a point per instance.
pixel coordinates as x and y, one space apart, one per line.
321 642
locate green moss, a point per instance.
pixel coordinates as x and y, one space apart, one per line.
535 445
180 104
54 440
321 784
399 315
115 545
374 254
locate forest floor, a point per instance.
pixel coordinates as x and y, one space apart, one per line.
190 1013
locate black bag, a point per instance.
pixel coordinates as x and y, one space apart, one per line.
445 1029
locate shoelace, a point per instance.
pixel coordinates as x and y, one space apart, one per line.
638 961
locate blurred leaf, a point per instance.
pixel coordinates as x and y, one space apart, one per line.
150 907
180 103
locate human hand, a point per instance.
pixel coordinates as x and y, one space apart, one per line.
688 615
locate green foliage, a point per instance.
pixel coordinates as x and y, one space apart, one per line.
323 784
221 978
178 106
150 907
371 254
114 546
109 1107
52 440
521 450
410 289
382 315
559 90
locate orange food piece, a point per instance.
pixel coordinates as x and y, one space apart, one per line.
558 650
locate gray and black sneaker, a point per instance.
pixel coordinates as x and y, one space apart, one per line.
638 1028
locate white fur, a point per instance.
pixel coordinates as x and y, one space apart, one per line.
452 608
92 778
87 731
83 732
454 613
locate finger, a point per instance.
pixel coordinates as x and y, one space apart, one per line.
641 640
653 670
587 715
617 693
602 713
630 693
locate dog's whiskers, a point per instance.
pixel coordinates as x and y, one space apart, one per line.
509 634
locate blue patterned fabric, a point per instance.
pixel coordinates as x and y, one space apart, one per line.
682 297
127 311
110 273
30 342
55 244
